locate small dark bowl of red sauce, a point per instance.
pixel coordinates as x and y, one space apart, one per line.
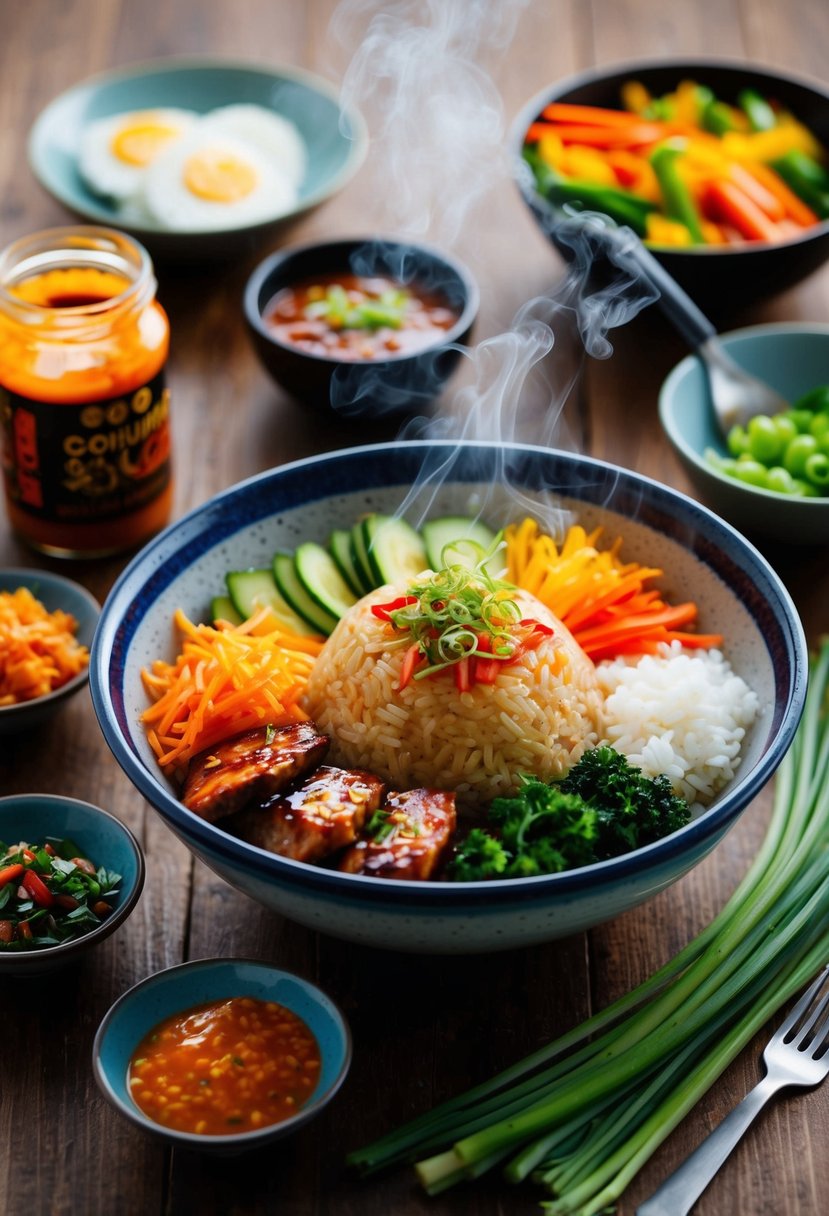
364 327
222 1055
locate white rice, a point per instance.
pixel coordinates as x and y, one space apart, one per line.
682 713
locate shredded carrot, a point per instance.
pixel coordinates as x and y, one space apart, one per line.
607 604
39 651
227 679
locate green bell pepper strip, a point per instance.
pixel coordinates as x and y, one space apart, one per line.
678 202
807 178
622 206
760 115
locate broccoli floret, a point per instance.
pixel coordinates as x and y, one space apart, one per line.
632 809
603 807
480 856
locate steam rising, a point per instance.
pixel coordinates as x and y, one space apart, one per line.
435 116
437 150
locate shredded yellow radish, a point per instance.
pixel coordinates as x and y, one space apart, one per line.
605 603
39 652
226 680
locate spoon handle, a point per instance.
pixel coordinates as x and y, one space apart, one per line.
675 303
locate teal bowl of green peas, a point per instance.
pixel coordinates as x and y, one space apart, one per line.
769 479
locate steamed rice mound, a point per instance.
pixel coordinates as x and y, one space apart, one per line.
540 715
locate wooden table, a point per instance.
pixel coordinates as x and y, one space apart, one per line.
424 1028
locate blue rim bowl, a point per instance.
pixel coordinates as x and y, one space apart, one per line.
336 139
54 592
104 839
189 984
721 278
793 357
737 591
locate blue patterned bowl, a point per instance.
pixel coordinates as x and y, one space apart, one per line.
102 838
738 593
212 979
336 140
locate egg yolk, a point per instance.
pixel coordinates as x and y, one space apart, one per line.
219 176
139 142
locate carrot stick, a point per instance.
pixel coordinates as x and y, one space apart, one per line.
754 189
727 202
635 135
565 112
793 206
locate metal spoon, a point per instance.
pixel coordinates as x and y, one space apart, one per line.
736 396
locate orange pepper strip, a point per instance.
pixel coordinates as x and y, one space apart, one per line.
593 116
794 207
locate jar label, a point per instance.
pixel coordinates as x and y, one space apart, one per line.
85 463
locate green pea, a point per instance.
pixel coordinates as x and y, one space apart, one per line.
751 472
785 426
816 469
737 440
801 419
804 489
765 443
819 425
780 479
815 399
798 452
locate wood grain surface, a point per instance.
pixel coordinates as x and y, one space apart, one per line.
424 1028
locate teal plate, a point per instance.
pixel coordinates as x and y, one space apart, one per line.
336 140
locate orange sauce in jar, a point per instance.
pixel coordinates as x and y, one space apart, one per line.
225 1067
84 411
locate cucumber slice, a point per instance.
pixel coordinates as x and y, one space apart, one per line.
321 578
290 586
395 550
359 555
339 545
250 590
221 609
438 533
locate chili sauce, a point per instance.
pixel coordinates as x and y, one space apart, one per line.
225 1067
354 317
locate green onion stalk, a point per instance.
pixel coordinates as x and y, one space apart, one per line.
582 1115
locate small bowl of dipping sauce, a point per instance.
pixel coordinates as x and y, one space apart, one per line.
222 1055
364 326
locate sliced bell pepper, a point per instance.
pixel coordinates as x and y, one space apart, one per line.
678 201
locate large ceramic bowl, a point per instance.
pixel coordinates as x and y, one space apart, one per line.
738 594
719 278
201 982
793 358
336 140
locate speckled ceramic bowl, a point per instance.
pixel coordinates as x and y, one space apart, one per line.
54 592
737 591
214 979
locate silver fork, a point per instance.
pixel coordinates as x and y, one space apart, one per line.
797 1054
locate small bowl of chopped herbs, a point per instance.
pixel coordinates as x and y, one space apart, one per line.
362 327
70 874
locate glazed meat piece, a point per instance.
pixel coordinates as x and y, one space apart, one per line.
323 814
251 767
412 840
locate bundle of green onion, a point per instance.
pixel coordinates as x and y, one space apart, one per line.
583 1115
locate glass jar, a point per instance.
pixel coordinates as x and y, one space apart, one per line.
84 411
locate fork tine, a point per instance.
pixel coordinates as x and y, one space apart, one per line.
790 1026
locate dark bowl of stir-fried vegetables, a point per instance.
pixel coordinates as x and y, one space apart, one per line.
70 874
720 167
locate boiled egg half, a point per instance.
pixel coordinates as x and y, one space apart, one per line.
211 180
116 152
